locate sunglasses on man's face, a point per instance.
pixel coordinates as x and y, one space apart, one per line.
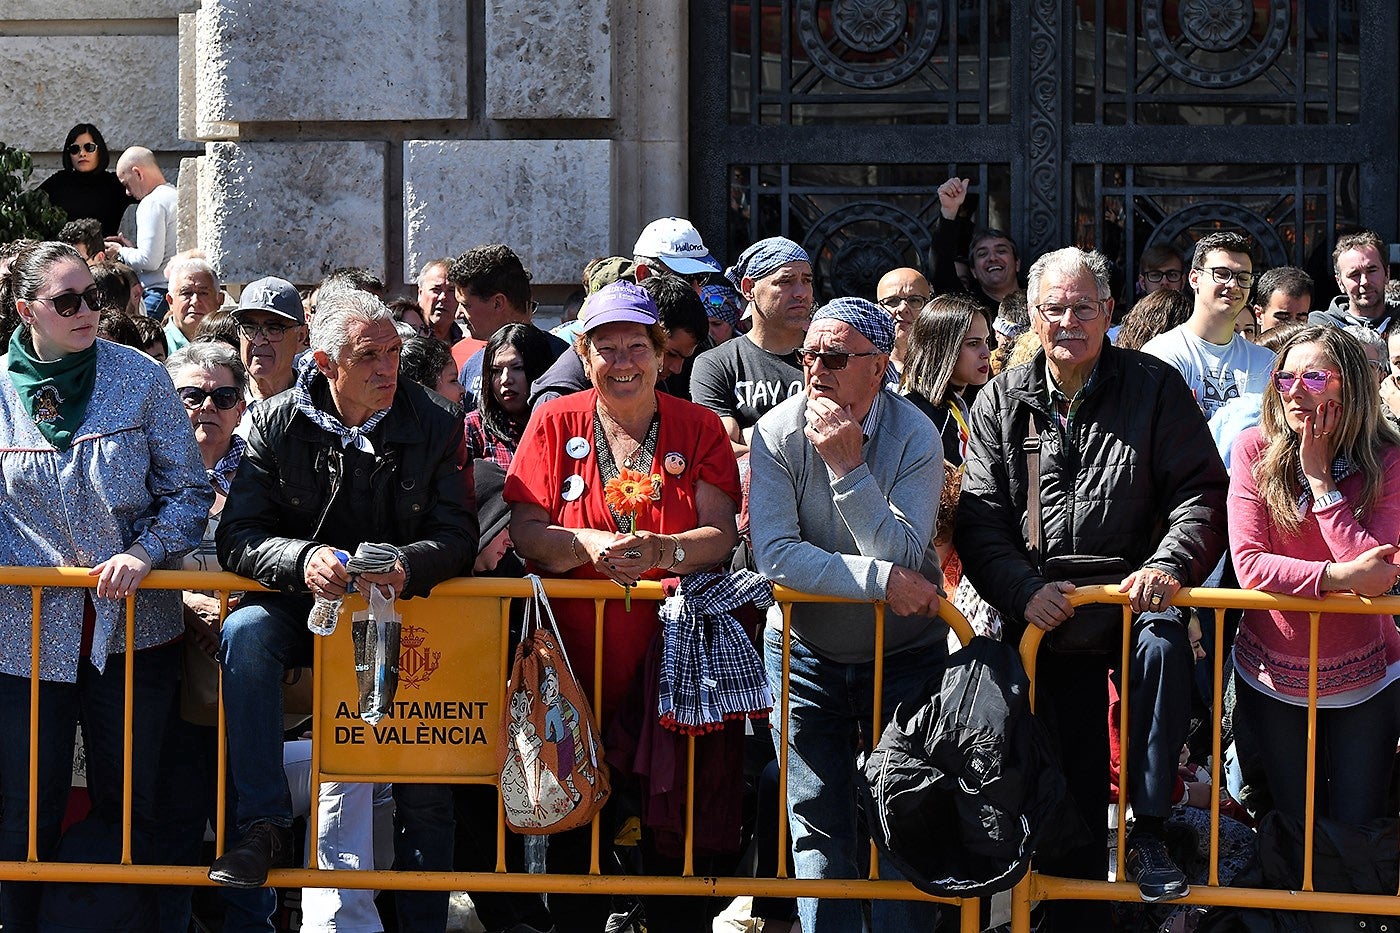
85 147
225 397
68 303
833 360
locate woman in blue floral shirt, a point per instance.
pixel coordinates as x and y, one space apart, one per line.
98 468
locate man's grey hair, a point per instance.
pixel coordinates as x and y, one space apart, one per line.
444 263
1370 338
191 265
1069 262
208 355
330 328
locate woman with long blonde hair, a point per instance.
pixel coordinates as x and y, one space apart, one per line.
1315 509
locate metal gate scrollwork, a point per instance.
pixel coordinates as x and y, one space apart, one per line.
1117 124
1265 235
870 43
852 246
1216 27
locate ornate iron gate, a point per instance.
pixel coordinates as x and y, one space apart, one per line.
1116 124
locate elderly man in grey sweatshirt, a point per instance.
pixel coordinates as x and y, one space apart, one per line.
845 483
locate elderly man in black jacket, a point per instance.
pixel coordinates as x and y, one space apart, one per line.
1127 470
350 454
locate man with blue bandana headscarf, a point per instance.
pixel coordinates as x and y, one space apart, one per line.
744 378
845 487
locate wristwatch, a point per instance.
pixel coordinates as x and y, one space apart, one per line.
1327 498
677 552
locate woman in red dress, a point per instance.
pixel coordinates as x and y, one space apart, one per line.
560 519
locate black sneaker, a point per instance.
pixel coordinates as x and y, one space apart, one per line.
264 846
1158 877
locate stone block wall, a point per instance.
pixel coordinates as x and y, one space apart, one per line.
112 63
381 133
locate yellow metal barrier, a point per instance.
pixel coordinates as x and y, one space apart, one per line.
468 757
443 731
1038 887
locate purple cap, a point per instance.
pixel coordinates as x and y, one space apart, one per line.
620 301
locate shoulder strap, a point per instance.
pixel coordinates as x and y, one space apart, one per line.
1031 446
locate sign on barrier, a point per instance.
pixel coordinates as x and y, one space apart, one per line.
446 712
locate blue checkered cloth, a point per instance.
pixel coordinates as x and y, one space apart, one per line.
763 257
870 319
301 396
722 302
710 670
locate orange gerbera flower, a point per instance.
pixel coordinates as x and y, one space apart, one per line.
630 491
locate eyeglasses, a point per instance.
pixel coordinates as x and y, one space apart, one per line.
273 332
698 279
1314 380
1085 309
225 397
832 359
1157 275
1223 275
915 302
74 149
716 300
67 304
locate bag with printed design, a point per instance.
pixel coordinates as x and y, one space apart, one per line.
550 758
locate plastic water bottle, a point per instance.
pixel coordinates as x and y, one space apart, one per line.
326 612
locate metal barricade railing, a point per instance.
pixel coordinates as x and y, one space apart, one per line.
1034 887
490 598
1038 887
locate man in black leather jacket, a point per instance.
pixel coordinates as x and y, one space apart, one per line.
350 454
1127 470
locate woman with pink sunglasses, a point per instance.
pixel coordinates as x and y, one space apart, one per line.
1314 509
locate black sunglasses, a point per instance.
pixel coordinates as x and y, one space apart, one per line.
225 397
68 303
74 149
833 360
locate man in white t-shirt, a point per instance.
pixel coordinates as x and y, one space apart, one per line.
1217 363
155 223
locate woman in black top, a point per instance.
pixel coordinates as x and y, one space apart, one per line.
84 188
949 350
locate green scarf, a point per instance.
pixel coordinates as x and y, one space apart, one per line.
55 393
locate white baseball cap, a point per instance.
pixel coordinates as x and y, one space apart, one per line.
676 242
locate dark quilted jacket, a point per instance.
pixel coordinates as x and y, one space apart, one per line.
421 495
1139 479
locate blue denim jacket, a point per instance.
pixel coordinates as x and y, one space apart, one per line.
134 473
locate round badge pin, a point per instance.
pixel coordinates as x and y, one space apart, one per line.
578 448
675 463
573 488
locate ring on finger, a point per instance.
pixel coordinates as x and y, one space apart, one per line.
632 553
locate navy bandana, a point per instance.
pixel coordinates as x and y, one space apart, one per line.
301 395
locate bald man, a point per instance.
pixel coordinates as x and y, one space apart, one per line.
155 224
903 293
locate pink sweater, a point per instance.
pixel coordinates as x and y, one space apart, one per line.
1353 650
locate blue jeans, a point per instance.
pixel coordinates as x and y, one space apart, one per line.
425 828
187 790
261 639
153 301
96 703
830 711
